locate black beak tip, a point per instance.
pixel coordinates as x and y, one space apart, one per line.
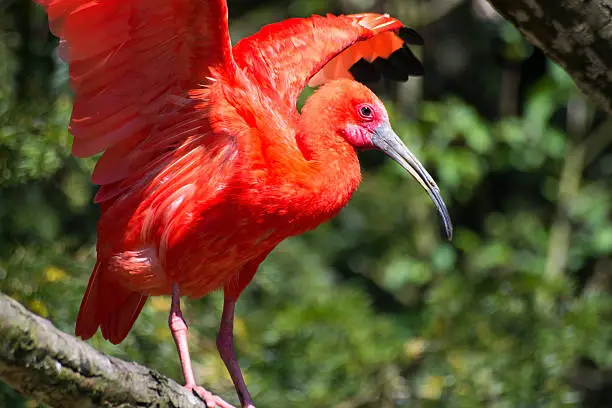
447 223
448 229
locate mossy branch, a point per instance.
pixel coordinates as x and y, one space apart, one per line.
60 370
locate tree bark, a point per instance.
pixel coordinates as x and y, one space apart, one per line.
57 369
577 34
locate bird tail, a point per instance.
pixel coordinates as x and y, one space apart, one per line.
108 305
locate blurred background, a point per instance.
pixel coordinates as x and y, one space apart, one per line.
376 308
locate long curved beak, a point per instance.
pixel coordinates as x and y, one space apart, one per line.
385 139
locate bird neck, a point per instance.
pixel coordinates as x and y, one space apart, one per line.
332 165
319 133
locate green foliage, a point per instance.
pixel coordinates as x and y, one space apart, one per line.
374 308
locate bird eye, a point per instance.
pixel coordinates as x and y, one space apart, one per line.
365 111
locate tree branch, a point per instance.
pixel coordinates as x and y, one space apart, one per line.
577 34
57 369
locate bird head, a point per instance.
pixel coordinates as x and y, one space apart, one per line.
362 120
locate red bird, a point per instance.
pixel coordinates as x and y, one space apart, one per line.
207 164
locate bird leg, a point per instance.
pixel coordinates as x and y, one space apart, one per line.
178 327
227 351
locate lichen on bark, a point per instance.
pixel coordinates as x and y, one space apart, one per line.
57 369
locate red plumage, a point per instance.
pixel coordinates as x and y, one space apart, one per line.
207 164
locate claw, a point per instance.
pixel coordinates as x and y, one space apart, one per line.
211 400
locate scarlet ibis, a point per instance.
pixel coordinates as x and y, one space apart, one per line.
207 164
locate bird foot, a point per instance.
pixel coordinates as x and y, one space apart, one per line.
211 400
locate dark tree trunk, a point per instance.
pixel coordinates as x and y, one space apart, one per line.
577 34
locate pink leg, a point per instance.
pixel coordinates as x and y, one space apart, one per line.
178 327
227 351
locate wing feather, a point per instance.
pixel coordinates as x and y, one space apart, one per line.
286 56
129 62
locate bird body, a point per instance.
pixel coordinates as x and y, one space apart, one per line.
213 212
207 163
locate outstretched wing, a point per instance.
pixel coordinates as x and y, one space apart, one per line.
131 64
288 55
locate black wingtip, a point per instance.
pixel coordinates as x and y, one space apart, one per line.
363 71
405 58
399 66
410 36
